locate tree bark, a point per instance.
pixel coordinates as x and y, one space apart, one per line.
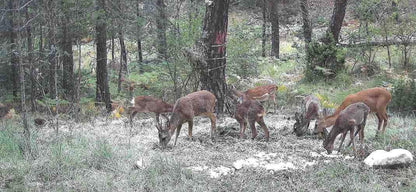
123 59
67 60
13 52
263 35
307 28
214 33
337 18
101 38
274 18
139 40
52 47
30 61
161 23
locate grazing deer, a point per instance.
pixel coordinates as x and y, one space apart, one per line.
252 111
354 116
311 110
186 108
149 104
376 98
260 93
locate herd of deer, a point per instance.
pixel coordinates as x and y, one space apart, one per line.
350 116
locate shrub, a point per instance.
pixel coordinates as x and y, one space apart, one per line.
404 95
324 60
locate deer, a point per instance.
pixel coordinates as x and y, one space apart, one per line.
143 104
260 93
353 116
200 103
375 98
311 110
251 111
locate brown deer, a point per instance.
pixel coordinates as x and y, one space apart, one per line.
376 98
260 93
311 110
149 104
354 116
186 108
251 111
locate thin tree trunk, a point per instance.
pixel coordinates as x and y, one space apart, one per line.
263 36
102 77
26 131
139 41
78 82
274 18
112 50
30 61
161 23
214 33
123 60
13 52
307 28
52 48
68 61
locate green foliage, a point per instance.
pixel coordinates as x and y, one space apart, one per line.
324 60
404 95
10 143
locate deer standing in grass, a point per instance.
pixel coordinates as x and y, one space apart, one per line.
149 104
251 111
260 93
354 116
185 109
375 98
311 110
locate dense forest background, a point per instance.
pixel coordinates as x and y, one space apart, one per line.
73 62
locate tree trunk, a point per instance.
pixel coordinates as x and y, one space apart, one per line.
337 19
263 35
274 18
123 59
52 48
102 79
77 108
26 131
307 28
67 60
112 50
139 40
30 61
214 33
161 23
13 53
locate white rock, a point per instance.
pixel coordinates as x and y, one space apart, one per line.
219 171
239 164
391 158
139 163
279 166
198 168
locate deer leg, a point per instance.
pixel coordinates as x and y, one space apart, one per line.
178 130
157 117
352 139
242 128
385 117
342 141
252 123
380 121
213 120
190 126
131 118
263 126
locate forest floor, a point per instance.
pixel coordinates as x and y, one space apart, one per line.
102 155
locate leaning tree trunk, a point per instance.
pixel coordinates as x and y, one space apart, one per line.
13 42
337 19
307 28
101 38
161 23
274 18
214 33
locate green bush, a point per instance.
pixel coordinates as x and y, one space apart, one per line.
404 95
324 60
